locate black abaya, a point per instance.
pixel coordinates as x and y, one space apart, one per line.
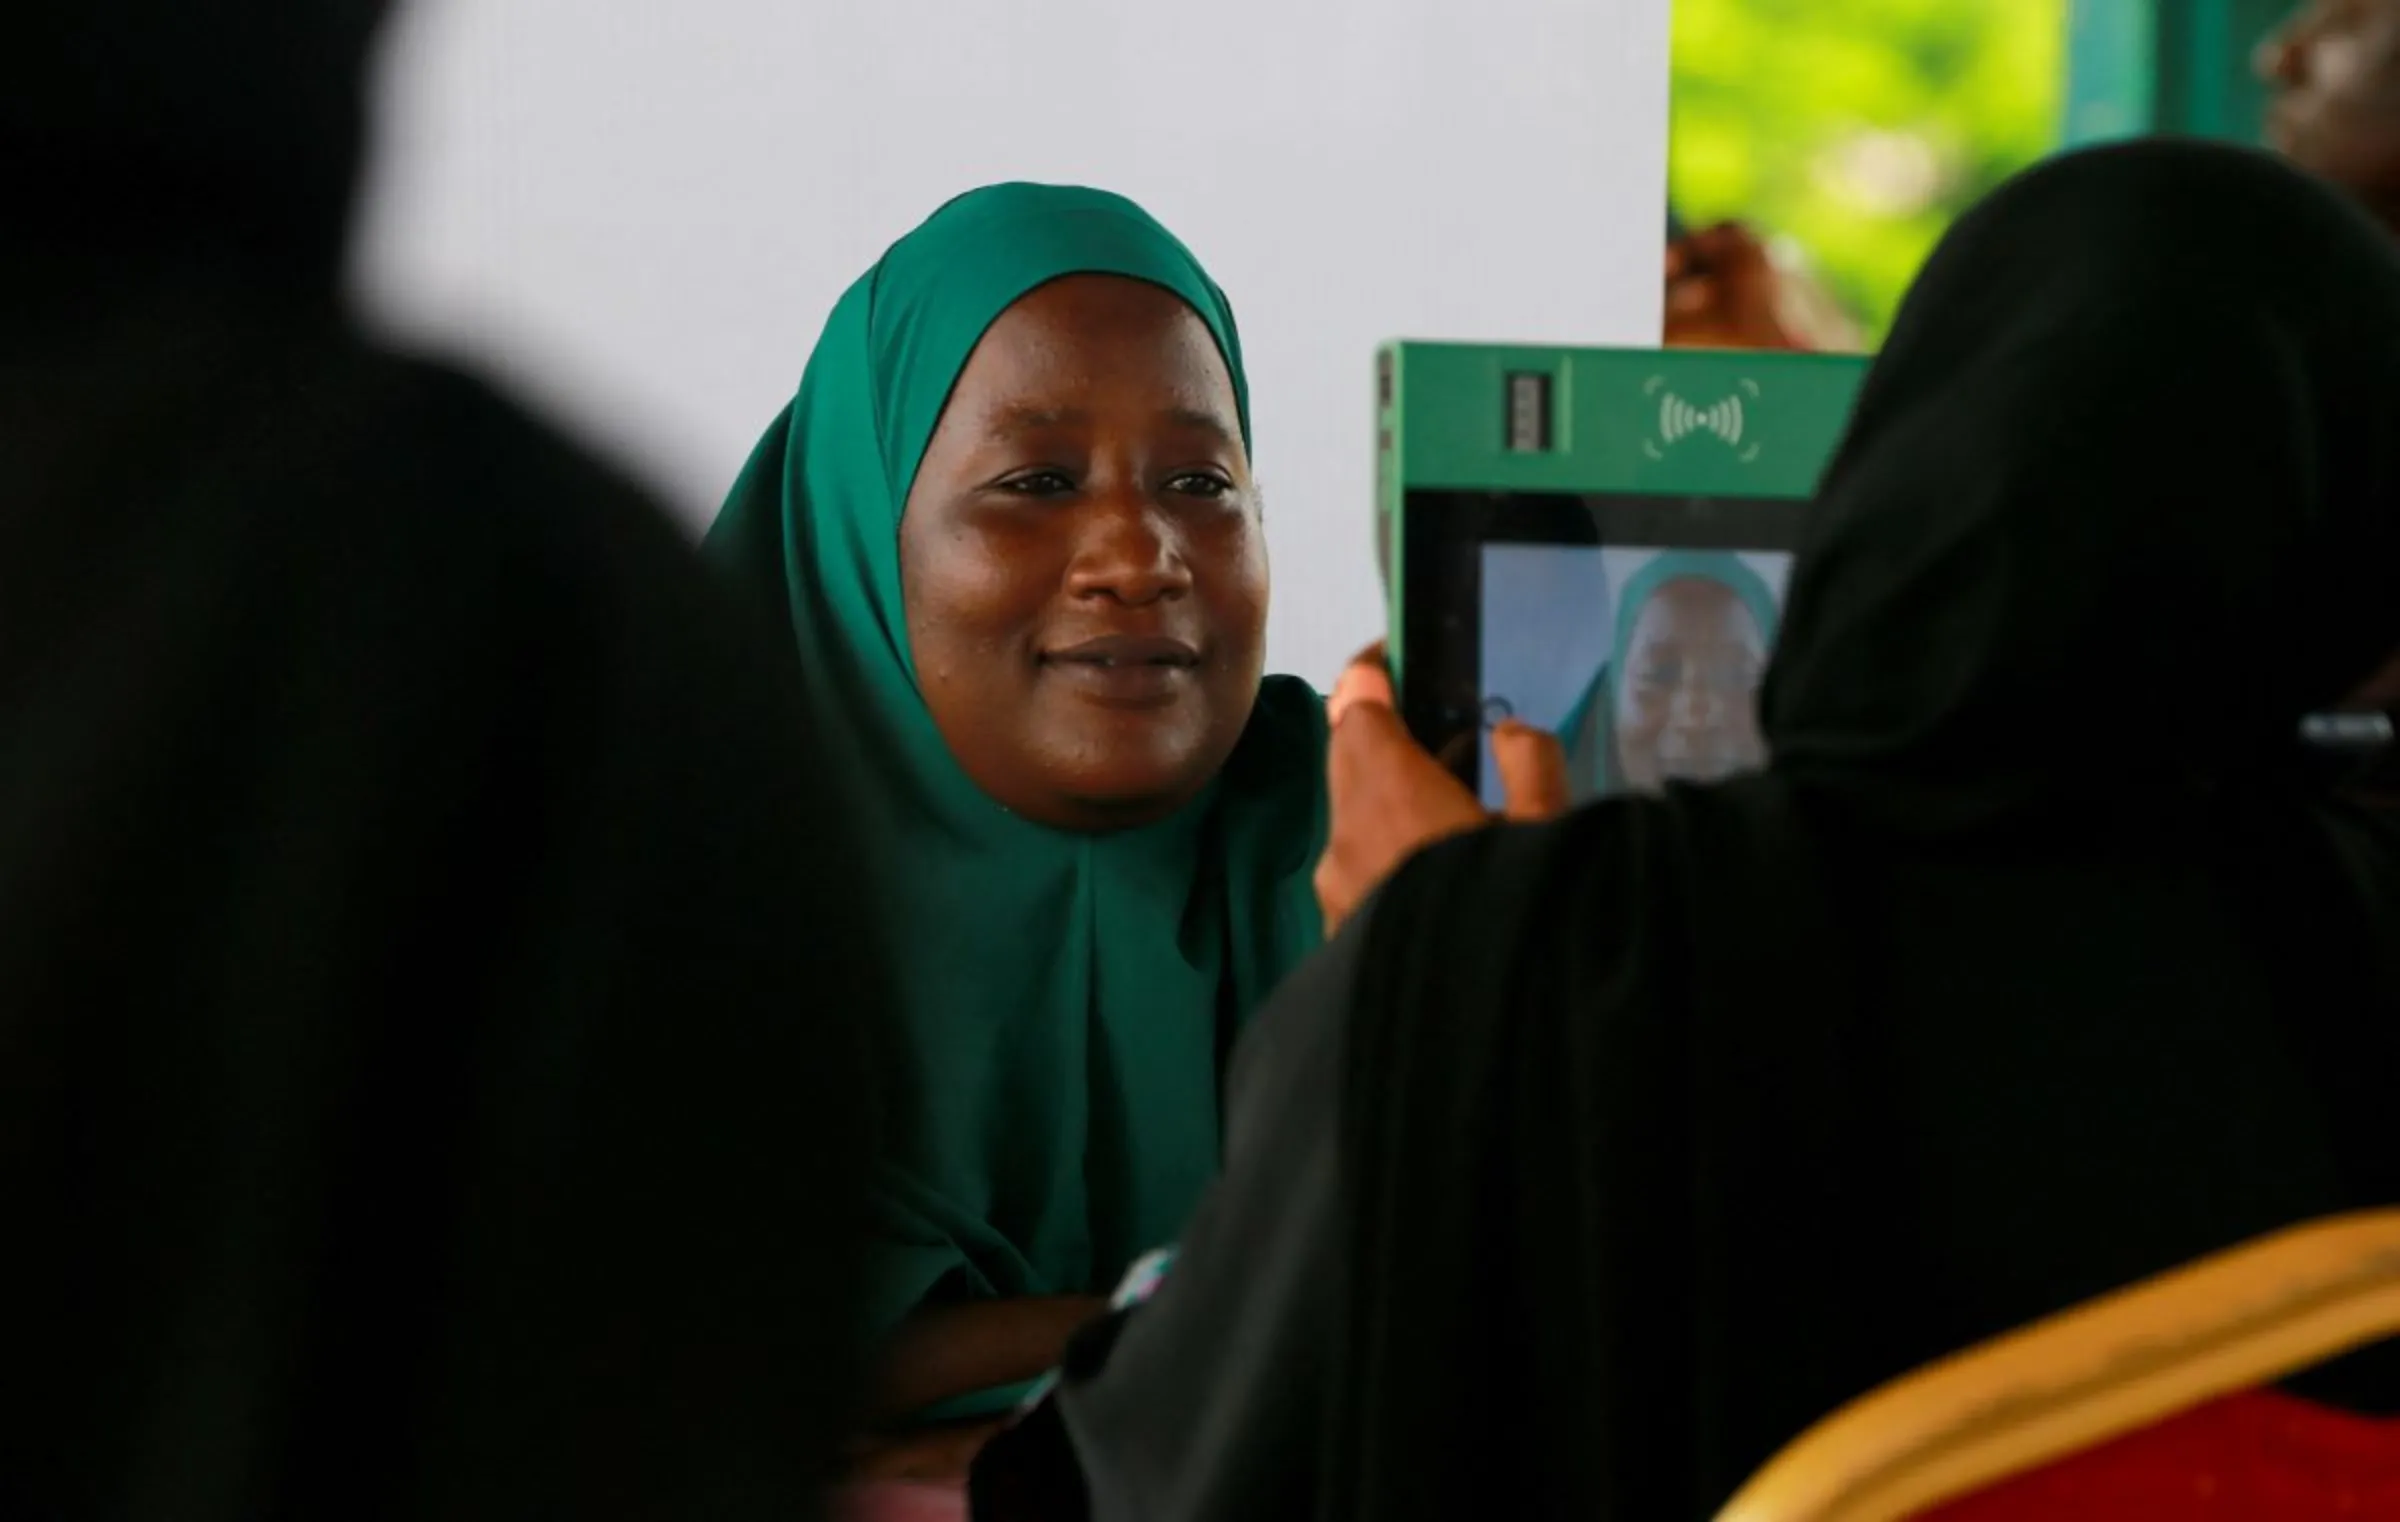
428 986
2031 967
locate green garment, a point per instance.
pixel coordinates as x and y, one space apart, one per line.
1052 1093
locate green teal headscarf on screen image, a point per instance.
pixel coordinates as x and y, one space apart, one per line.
1051 1104
1590 727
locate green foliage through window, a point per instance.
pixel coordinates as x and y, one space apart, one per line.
1859 128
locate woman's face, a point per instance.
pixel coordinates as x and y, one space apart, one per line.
1082 562
1687 708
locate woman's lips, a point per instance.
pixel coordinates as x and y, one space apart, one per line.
1126 670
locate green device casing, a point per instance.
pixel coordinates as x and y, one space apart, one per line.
1455 417
1485 443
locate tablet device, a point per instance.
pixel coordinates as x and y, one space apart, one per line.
1596 542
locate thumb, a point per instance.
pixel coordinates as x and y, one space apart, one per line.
1533 771
1368 744
1365 681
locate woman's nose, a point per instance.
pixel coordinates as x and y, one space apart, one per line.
1127 548
1695 705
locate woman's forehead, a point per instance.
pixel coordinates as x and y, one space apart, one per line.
1092 344
1694 607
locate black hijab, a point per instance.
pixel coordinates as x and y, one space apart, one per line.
427 976
2116 508
1605 1156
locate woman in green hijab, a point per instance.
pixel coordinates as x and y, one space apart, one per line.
1010 521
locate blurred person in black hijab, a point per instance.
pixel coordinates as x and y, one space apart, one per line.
1596 1159
2333 70
427 975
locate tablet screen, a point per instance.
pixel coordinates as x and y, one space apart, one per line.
1634 627
1644 660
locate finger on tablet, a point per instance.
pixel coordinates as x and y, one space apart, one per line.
1533 771
1364 680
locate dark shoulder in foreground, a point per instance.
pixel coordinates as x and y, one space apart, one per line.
424 934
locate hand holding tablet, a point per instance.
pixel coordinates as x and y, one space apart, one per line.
1390 798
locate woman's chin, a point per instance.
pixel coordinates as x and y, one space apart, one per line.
1712 766
1105 803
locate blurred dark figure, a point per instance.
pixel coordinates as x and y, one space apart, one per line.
1725 291
425 975
2335 70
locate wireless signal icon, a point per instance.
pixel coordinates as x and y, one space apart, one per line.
1727 421
1678 419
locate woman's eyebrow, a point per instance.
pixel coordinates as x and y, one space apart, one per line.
1199 421
1017 419
1025 417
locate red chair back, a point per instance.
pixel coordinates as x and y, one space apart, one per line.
2261 1456
2154 1404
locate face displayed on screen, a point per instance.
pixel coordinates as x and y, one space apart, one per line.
1685 704
1644 661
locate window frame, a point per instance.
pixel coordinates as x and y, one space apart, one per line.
2182 67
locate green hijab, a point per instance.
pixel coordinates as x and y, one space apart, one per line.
1069 999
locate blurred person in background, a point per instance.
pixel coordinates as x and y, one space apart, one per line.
428 972
1726 290
2334 69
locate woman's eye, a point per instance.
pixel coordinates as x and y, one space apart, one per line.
1202 484
1038 483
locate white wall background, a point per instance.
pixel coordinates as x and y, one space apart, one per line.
643 209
